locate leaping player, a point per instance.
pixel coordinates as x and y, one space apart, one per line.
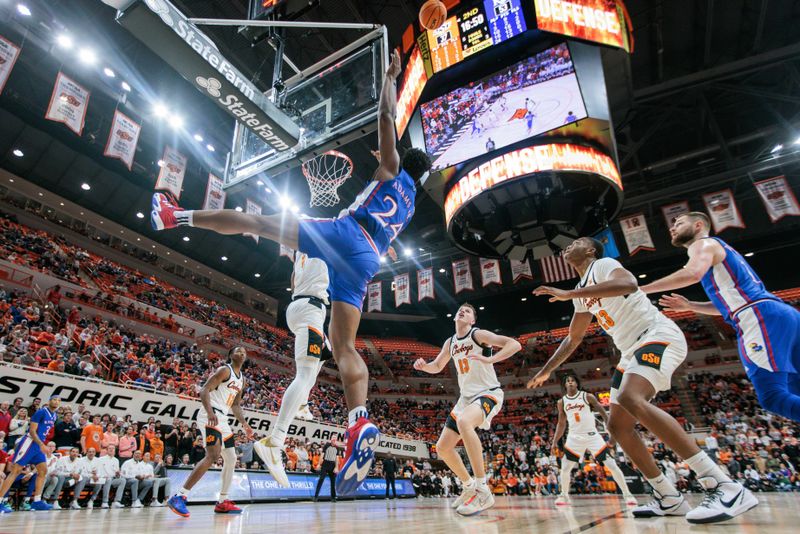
221 393
767 329
652 347
305 317
351 245
480 400
31 450
575 411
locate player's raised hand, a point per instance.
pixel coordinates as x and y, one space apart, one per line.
674 302
376 154
212 420
555 293
538 380
419 365
394 67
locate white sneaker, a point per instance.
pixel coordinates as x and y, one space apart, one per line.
104 506
724 500
662 505
466 494
304 413
271 456
630 500
116 504
156 504
56 506
90 505
482 500
74 505
137 504
563 500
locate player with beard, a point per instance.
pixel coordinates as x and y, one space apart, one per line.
652 347
767 329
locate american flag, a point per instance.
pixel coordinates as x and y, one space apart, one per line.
556 269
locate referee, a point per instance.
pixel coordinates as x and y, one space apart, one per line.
389 473
330 457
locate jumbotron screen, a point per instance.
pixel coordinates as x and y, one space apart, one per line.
521 101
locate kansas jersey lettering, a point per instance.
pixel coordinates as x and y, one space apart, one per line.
474 376
580 418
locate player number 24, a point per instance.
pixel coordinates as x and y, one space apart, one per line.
388 214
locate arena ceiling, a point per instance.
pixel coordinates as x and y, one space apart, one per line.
709 91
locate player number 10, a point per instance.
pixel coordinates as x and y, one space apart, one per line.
463 366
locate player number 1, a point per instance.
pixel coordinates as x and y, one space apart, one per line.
577 417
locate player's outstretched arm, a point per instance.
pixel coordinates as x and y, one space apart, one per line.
703 255
438 363
621 282
677 303
387 134
577 330
220 375
508 346
236 408
560 426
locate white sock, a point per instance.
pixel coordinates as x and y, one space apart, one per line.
37 498
293 397
480 482
184 218
663 486
469 483
183 492
566 473
355 414
703 466
223 497
619 477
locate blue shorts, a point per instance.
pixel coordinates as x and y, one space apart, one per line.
769 337
347 249
27 452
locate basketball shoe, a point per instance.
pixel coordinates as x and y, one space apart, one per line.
482 500
304 413
466 494
362 440
177 503
630 500
724 500
563 500
163 215
5 508
662 505
271 455
227 507
41 506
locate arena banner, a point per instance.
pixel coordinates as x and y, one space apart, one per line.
122 139
375 296
673 211
287 252
490 272
556 269
107 397
255 209
425 285
637 235
68 103
723 211
778 198
402 289
260 486
462 275
215 194
606 237
520 270
600 21
173 170
9 52
182 45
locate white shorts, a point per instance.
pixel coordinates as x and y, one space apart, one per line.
656 356
491 402
213 435
306 321
577 445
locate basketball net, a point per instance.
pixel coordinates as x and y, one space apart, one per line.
325 174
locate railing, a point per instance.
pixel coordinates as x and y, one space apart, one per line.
16 276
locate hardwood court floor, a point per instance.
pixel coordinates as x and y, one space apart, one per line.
776 514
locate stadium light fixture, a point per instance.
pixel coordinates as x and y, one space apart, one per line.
442 270
108 72
797 141
139 215
407 252
642 276
224 258
160 110
524 299
125 86
267 190
257 275
161 163
482 308
449 314
24 10
64 41
198 138
749 254
18 153
186 238
295 208
87 55
776 148
86 187
176 121
239 209
288 289
383 259
210 147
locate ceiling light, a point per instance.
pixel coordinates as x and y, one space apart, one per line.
422 250
161 163
257 275
60 203
108 72
259 183
154 246
383 259
643 276
267 190
524 299
798 141
449 314
81 213
288 289
186 238
41 194
176 122
125 86
224 258
776 148
442 270
482 308
17 152
64 41
139 215
87 55
160 110
210 148
22 9
749 254
597 369
138 239
85 186
239 209
198 138
295 208
101 222
407 252
11 180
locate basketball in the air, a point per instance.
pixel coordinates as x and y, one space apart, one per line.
432 14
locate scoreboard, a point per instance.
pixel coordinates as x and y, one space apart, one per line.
471 29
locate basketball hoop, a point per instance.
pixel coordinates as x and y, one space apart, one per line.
325 174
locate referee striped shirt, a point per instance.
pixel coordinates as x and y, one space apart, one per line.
331 453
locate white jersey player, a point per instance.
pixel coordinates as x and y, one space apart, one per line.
576 411
652 348
480 400
305 317
221 394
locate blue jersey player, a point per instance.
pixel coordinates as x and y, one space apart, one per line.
767 329
351 245
30 450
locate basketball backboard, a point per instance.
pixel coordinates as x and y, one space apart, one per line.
333 102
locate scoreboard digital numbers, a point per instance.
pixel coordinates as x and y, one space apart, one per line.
445 45
506 19
474 31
